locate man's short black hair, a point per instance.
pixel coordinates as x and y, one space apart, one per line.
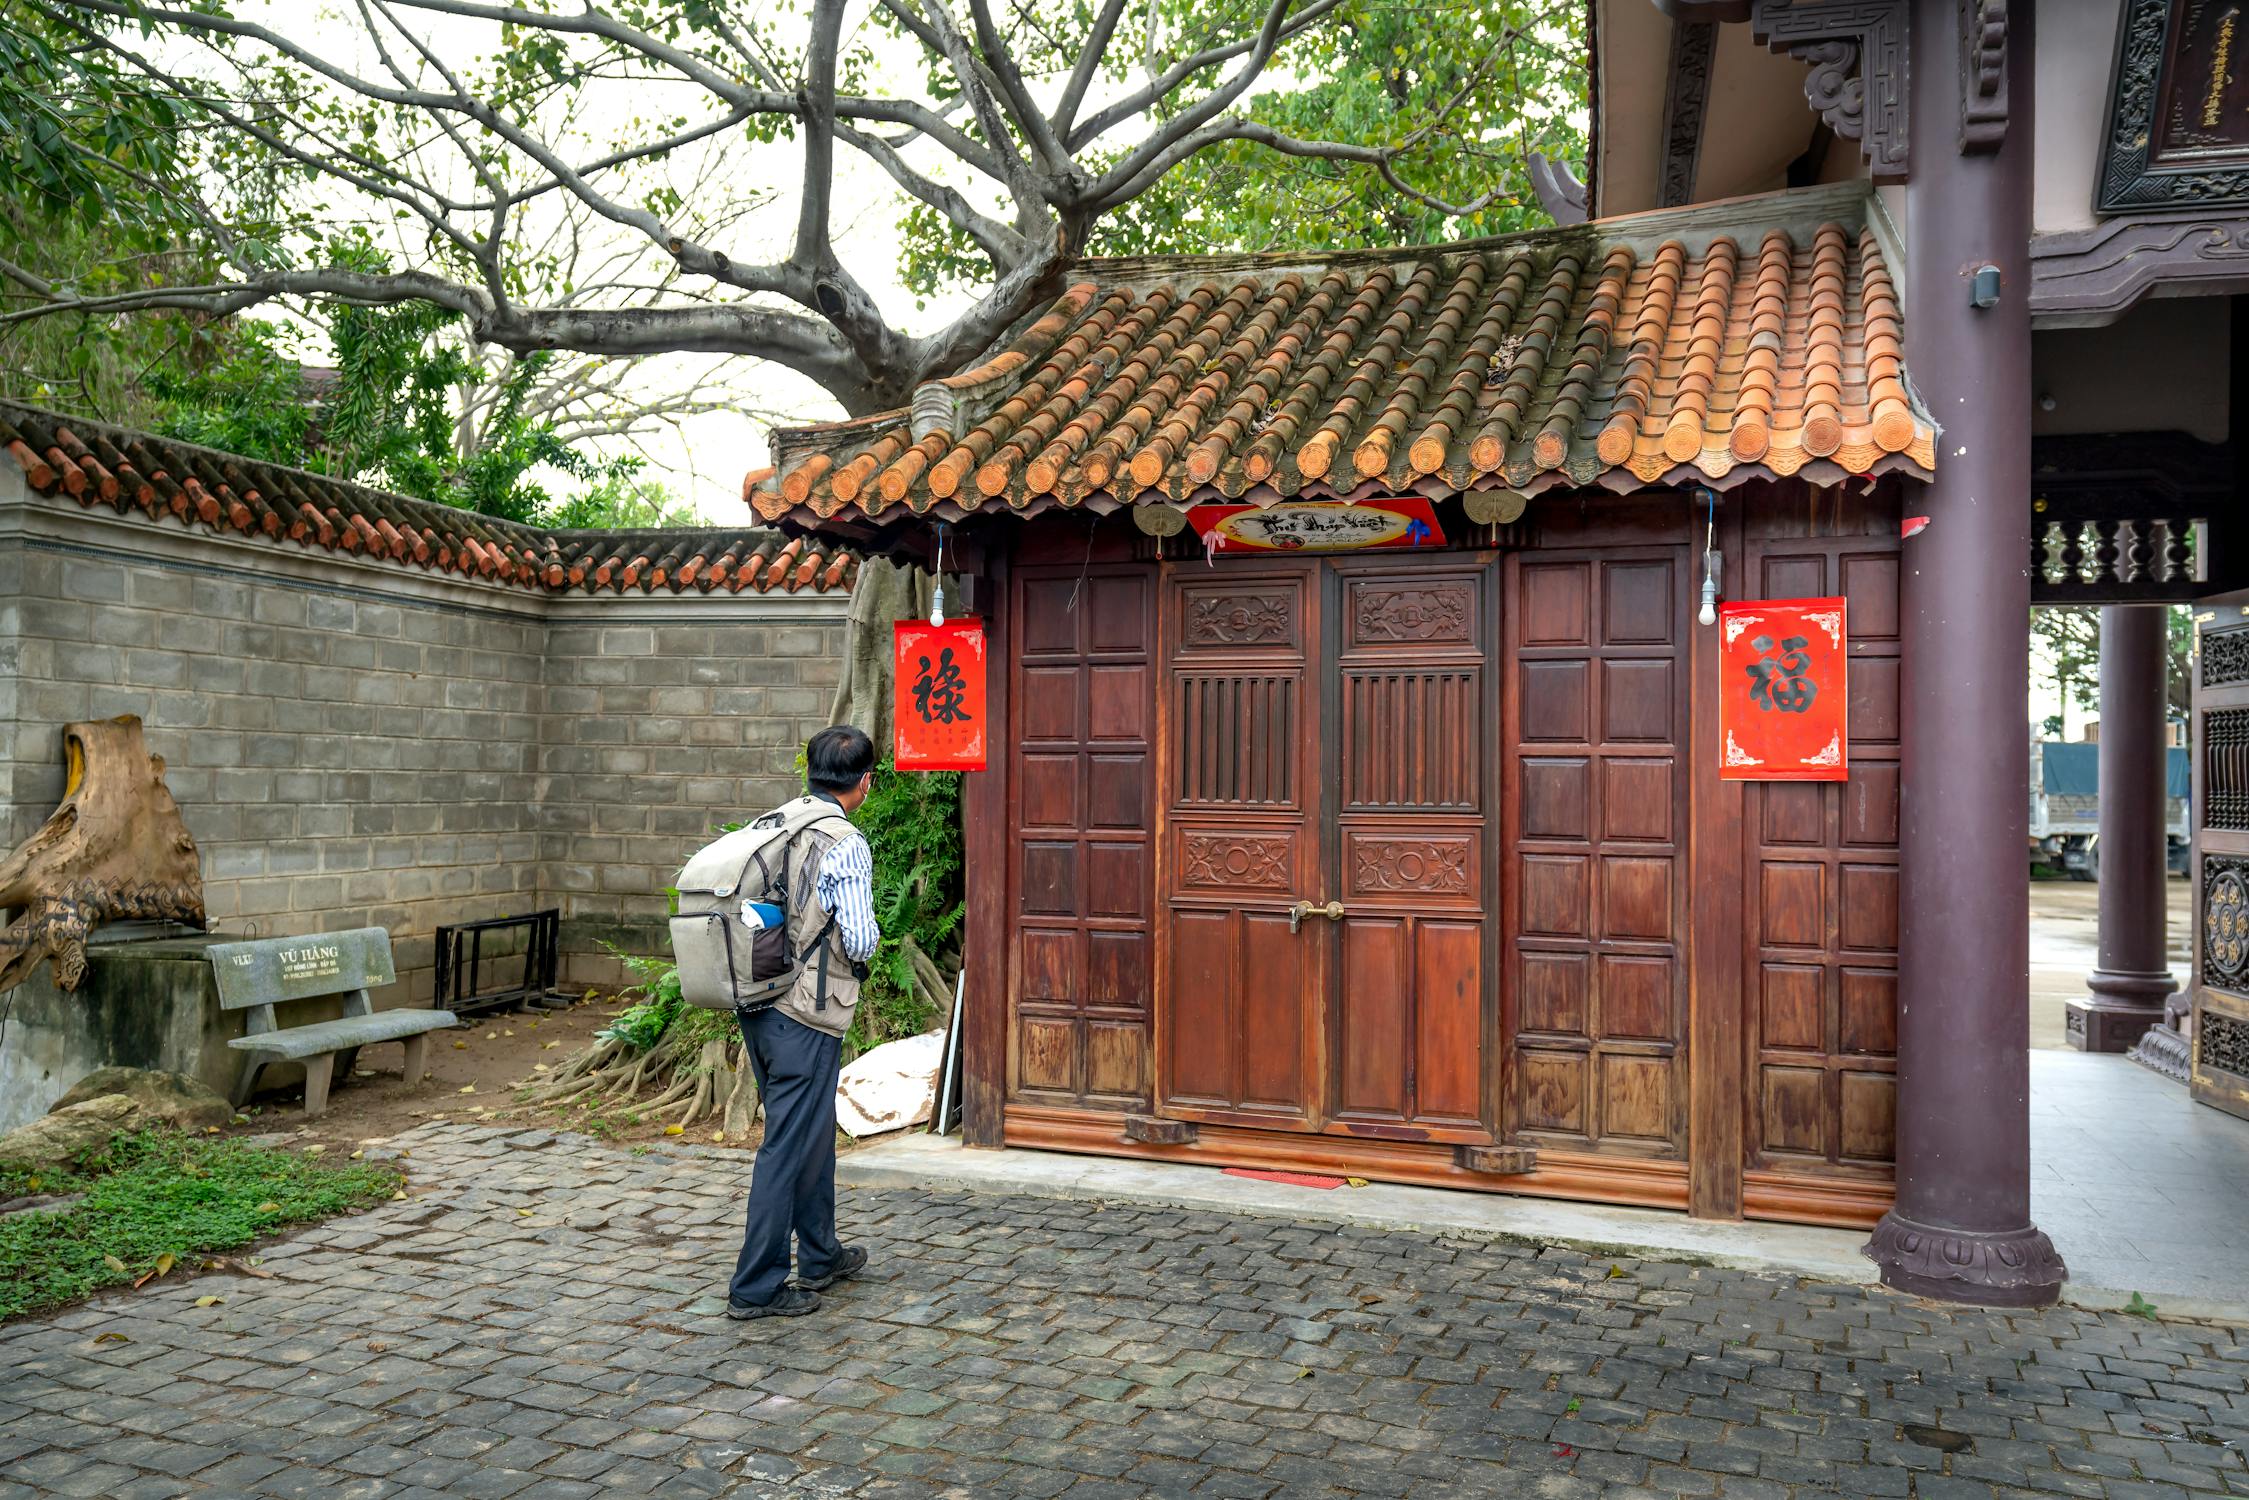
836 757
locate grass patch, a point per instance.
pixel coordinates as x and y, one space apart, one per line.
160 1198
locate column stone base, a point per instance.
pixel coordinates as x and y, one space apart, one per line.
2095 1025
2017 1268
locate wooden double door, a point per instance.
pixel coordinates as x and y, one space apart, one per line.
1325 876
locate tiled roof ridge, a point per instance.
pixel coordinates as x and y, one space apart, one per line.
1754 338
137 473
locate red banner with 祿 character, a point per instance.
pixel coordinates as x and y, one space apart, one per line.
940 695
1782 706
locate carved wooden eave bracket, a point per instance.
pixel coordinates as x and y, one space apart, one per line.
2088 277
1856 50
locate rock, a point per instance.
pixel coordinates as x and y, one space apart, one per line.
172 1099
57 1139
109 1102
890 1088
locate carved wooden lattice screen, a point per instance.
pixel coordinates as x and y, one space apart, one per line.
2220 1056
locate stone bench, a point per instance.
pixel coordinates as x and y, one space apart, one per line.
259 974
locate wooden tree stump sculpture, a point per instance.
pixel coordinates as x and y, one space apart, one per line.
115 849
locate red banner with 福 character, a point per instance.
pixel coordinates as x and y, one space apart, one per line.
1782 708
940 695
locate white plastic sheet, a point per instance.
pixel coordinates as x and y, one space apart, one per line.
891 1088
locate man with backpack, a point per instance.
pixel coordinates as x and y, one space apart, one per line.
795 1046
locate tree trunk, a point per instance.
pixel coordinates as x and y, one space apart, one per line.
115 848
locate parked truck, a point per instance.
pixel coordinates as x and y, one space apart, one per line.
2065 812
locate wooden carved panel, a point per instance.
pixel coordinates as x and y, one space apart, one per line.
1383 613
1237 861
2225 921
1428 866
2225 767
1216 616
2225 656
2222 1043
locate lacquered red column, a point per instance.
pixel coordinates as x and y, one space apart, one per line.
2134 975
1961 1227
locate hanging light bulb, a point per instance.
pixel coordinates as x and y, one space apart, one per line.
1709 612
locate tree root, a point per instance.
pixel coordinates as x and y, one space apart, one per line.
704 1080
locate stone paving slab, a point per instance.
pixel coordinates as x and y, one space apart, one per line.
545 1324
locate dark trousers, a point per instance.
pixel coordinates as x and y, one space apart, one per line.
793 1184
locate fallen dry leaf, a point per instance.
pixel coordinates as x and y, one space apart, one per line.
111 1338
460 1046
209 1301
468 1088
314 1149
489 1035
675 1130
113 1263
718 1135
356 1155
523 1213
165 1262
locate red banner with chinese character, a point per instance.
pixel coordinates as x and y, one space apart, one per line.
1781 711
940 695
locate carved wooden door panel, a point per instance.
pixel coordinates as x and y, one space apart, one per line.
1410 763
1241 1032
2220 1045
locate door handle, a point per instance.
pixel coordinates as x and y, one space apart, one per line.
1333 911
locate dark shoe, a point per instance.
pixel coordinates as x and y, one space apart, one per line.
850 1263
790 1302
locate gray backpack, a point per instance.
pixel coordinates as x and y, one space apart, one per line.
724 962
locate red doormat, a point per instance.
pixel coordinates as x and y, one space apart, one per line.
1293 1179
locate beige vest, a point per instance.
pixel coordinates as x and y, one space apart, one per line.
806 917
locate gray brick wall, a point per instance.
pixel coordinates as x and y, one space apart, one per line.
662 724
353 744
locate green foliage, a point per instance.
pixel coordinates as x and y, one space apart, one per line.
389 421
87 141
618 502
2140 1307
250 401
160 1194
912 823
1468 88
643 1024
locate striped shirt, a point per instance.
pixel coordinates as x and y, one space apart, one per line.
847 890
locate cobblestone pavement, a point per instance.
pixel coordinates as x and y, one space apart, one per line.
544 1324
